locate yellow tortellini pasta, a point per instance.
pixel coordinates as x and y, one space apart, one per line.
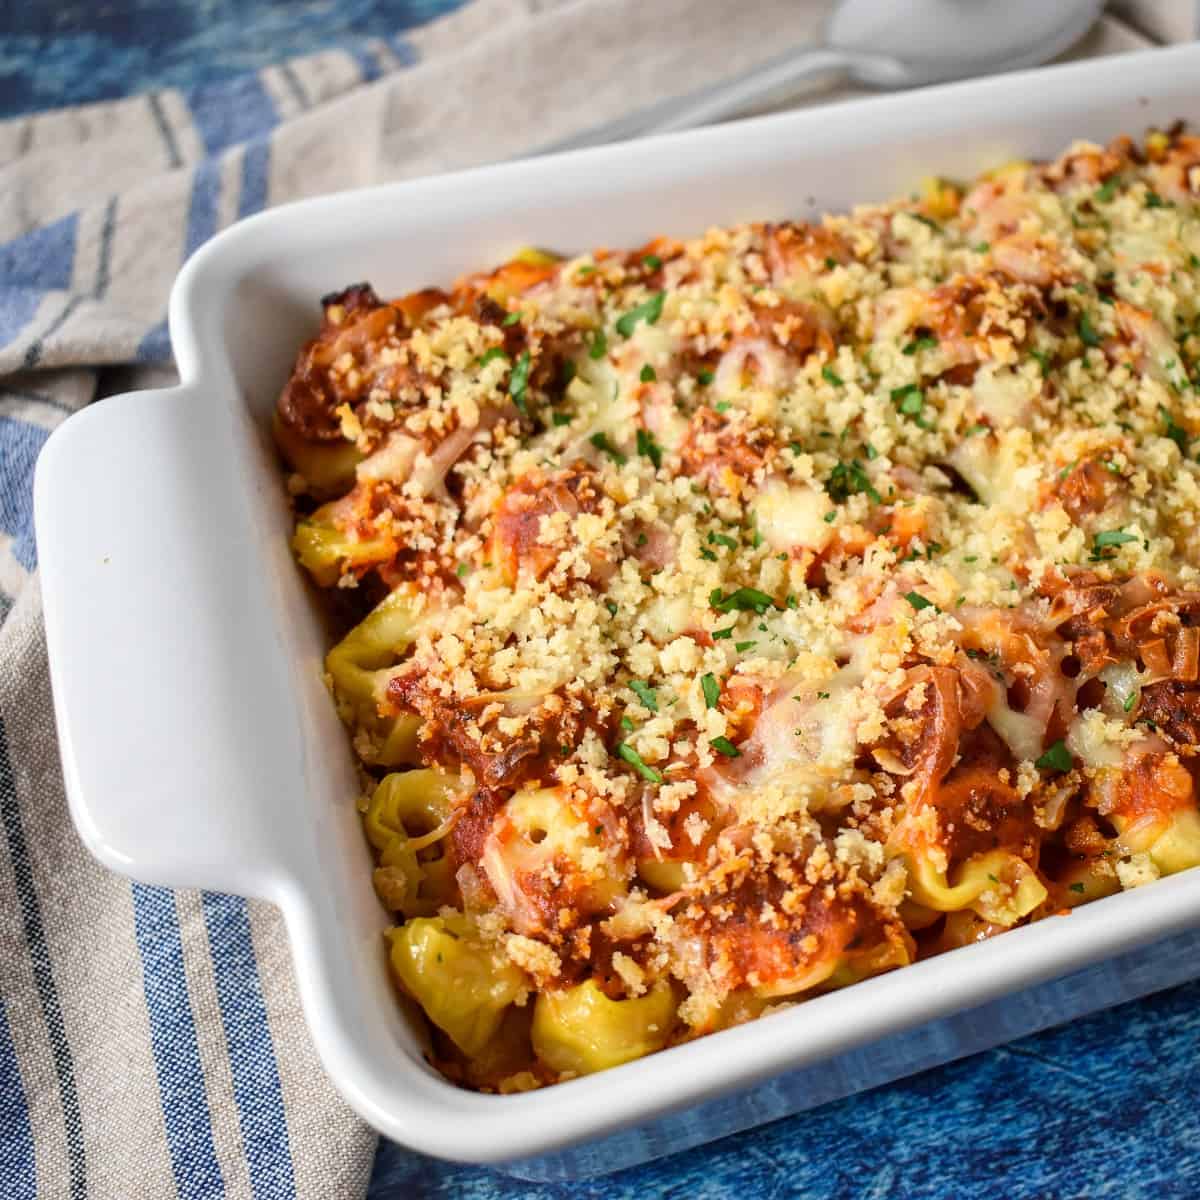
1173 845
359 668
581 1030
999 886
327 467
405 820
464 987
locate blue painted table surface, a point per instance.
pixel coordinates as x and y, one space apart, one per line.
1106 1107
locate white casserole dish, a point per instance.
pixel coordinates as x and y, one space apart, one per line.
201 749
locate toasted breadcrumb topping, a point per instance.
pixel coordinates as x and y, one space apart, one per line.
786 603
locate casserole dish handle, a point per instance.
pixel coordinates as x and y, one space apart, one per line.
156 606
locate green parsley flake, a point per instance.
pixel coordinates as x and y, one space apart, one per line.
1130 701
723 539
742 647
645 693
1087 331
711 689
1077 887
462 570
648 374
910 398
1056 758
831 376
652 262
491 355
647 447
601 442
1112 537
1175 432
922 343
519 381
918 601
746 599
560 418
722 745
511 319
722 633
705 377
599 345
634 759
1107 190
849 479
648 311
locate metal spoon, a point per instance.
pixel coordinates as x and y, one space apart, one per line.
880 44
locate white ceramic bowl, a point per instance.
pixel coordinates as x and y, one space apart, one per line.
199 745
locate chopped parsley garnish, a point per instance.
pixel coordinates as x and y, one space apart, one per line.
747 599
831 376
648 311
647 447
519 381
492 354
926 221
918 601
1077 887
1175 432
1087 331
982 247
711 689
872 453
612 607
742 647
849 479
830 263
723 633
652 262
599 345
1107 190
560 418
648 374
722 745
910 398
645 693
627 724
634 759
568 373
1112 537
707 555
1130 701
705 377
723 539
722 406
511 319
601 442
1057 758
462 570
1043 361
922 343
1154 200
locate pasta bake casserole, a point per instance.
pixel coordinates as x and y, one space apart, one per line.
733 619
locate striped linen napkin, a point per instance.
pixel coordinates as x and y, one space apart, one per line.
151 1042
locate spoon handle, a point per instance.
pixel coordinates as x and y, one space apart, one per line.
708 104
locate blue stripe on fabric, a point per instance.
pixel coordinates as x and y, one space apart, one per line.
367 63
230 111
256 1086
17 1166
155 346
40 261
43 973
22 444
404 50
176 1049
43 258
256 165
